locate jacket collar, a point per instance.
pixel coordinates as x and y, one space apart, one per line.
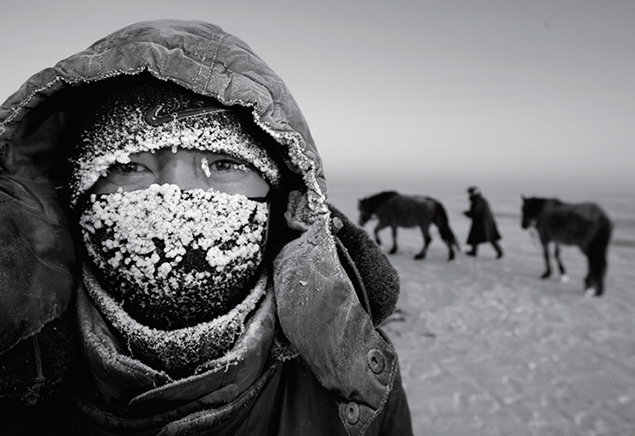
321 315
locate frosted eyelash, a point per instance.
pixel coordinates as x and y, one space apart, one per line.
205 167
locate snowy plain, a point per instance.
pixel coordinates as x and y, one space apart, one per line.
488 348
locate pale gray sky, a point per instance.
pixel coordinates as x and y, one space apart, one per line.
507 90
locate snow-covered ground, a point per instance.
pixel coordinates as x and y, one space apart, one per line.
488 348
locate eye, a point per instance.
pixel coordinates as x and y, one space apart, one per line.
223 165
229 165
127 174
126 168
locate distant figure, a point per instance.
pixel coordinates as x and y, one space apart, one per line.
585 225
483 224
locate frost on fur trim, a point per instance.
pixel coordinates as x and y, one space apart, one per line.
124 132
174 258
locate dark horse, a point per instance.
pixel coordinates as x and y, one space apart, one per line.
396 210
585 225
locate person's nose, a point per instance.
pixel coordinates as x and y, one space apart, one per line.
184 171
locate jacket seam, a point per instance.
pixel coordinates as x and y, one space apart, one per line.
213 60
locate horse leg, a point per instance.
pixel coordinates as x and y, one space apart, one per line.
450 249
378 227
563 273
394 240
545 253
426 242
590 280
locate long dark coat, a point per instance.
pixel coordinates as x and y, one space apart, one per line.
483 224
332 285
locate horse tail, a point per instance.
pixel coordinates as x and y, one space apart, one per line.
597 252
600 241
443 224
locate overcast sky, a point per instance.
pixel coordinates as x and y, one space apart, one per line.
483 89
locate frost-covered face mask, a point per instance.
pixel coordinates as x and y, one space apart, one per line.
175 258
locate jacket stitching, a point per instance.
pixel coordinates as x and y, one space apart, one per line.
213 61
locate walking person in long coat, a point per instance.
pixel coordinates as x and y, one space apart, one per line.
483 224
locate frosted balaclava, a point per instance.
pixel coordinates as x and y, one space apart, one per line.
171 258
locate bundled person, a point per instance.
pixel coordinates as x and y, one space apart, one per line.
170 262
484 227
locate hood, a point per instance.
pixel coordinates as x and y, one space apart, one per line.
316 301
195 55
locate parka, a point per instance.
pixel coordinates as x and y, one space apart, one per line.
320 366
484 227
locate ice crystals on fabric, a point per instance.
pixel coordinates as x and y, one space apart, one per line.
124 132
174 258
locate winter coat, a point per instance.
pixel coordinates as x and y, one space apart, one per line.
483 225
329 371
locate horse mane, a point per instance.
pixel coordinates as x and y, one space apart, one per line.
543 200
434 200
374 201
533 206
